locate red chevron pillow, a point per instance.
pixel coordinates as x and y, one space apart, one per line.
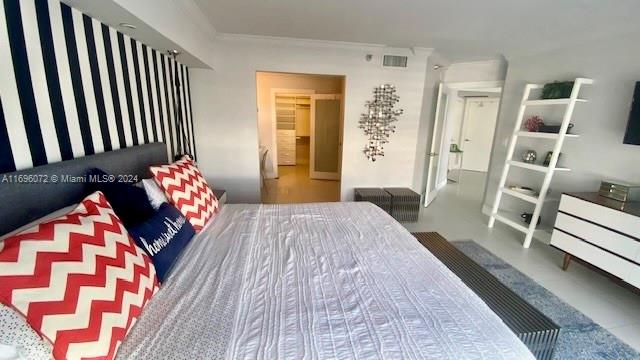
188 191
79 280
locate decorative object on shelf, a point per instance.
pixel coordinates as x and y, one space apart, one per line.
377 123
526 217
529 156
555 129
619 190
547 159
557 90
454 148
523 190
533 123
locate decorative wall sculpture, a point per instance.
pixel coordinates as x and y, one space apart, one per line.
377 123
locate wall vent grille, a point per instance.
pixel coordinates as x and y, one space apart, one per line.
394 61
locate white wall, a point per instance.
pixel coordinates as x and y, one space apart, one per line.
266 81
224 104
599 152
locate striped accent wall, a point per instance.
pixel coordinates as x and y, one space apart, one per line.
71 86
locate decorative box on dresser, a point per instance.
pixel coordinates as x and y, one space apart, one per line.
600 231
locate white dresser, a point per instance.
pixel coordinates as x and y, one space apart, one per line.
286 147
600 231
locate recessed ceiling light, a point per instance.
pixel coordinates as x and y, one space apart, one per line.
128 26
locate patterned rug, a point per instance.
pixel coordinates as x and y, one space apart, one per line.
580 337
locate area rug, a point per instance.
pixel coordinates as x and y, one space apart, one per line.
580 337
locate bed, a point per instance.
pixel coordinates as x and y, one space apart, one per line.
316 281
319 281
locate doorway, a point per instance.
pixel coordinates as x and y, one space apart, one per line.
300 122
462 137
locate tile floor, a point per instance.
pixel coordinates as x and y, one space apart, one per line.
456 214
295 186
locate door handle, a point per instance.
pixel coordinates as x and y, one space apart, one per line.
467 140
432 154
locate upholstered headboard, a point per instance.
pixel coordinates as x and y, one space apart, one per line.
25 196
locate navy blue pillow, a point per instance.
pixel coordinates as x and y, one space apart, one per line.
129 202
163 237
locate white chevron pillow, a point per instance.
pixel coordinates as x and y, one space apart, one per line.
79 280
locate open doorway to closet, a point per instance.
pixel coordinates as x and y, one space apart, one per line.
300 123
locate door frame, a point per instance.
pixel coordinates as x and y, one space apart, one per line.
430 195
450 88
274 122
312 150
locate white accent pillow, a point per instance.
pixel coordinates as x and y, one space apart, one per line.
50 216
155 194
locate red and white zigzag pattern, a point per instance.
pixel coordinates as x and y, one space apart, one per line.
188 191
79 280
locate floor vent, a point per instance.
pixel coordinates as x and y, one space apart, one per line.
394 61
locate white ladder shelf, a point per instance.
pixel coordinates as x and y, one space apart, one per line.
538 200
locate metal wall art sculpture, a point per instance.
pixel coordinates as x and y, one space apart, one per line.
377 123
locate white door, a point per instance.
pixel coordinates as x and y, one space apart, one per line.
479 126
433 157
326 137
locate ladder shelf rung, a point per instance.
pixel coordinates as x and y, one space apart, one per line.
512 220
529 198
542 135
535 167
515 221
551 102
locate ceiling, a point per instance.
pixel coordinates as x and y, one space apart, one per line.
462 30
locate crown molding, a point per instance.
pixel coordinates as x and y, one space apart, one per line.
288 41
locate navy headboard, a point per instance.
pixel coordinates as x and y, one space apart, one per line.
30 198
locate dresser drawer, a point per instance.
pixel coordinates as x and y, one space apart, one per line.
287 140
286 134
597 235
286 158
593 255
613 219
286 147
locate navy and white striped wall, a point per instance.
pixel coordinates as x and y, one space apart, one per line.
71 86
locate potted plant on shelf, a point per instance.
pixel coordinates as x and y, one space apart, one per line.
533 123
557 90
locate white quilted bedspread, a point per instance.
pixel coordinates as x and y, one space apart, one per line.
315 281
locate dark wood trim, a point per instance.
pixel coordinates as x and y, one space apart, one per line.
600 225
618 281
628 207
566 261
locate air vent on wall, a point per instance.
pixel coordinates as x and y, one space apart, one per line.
394 61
